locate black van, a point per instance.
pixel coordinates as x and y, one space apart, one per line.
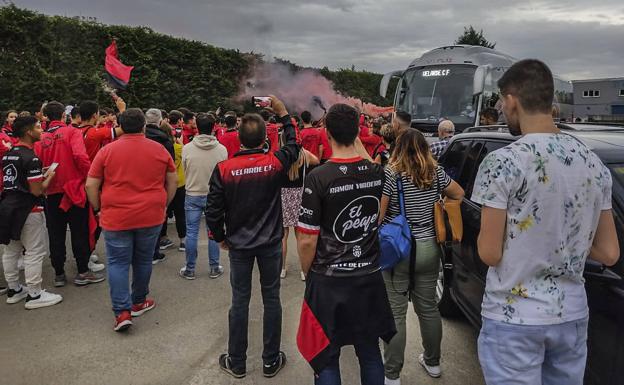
462 278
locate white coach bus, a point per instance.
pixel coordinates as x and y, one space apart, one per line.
457 83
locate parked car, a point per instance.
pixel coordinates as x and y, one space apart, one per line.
462 277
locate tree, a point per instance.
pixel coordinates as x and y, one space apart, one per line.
472 37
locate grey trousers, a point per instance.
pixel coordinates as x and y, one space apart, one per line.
423 298
34 240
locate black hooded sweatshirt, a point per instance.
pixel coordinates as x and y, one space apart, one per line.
154 133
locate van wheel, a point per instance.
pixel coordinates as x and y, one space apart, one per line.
446 304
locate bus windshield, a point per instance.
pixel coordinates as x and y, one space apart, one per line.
439 92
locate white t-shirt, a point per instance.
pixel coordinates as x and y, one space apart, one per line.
553 188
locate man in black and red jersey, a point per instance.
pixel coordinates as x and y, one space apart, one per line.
245 198
22 221
345 297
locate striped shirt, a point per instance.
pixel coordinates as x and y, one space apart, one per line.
418 203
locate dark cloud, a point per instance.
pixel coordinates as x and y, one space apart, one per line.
578 38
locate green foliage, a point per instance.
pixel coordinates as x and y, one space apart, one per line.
59 58
472 37
363 85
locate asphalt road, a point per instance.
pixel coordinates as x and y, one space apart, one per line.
179 341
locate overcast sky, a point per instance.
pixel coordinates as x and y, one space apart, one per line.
578 38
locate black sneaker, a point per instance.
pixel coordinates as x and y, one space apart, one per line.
225 363
160 257
271 370
165 244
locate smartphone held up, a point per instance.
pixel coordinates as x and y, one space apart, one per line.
261 101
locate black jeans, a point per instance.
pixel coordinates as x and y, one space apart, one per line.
57 221
241 268
177 207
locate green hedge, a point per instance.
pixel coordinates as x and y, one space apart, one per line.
53 57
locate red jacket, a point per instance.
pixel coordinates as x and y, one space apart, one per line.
231 142
188 133
219 130
96 138
63 145
107 126
311 140
369 140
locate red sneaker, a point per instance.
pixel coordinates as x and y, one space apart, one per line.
140 308
123 321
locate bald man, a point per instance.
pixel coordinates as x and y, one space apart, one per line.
446 130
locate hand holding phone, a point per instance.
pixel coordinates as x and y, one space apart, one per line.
261 101
51 169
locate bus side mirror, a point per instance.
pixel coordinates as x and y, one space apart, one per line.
478 83
385 81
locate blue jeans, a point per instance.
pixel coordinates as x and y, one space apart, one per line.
193 208
371 366
124 249
533 354
241 268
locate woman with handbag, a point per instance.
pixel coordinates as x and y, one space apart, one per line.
414 279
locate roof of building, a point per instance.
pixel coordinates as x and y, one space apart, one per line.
599 80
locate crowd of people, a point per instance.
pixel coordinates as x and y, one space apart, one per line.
336 181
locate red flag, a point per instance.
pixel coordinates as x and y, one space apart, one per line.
116 69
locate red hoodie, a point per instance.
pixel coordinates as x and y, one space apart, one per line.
230 140
272 132
311 139
63 145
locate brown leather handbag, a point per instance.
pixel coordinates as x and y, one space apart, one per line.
446 210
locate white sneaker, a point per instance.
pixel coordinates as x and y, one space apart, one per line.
283 274
388 381
16 296
302 276
95 267
94 258
44 299
20 263
432 371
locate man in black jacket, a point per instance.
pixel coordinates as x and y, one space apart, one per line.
245 197
153 118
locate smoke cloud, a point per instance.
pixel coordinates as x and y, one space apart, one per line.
300 90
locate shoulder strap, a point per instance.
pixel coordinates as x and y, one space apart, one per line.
437 182
305 166
401 196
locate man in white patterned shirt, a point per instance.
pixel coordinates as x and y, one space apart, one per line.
546 209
